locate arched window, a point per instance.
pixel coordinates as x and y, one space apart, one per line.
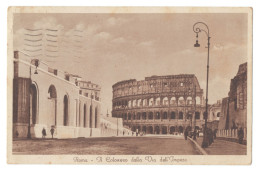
129 103
172 129
198 100
129 116
144 115
133 116
139 101
144 102
138 116
180 115
157 101
189 101
158 116
65 111
85 116
197 115
90 117
52 103
181 101
151 102
150 115
165 114
134 103
34 103
165 101
173 115
173 101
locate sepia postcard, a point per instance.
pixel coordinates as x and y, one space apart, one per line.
129 85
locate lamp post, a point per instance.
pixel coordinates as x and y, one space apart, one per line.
36 63
197 29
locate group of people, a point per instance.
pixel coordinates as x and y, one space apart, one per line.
44 132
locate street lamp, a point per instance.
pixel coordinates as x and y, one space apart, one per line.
197 30
36 64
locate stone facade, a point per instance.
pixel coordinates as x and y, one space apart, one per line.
234 107
47 98
159 104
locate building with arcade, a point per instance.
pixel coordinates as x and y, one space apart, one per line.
159 104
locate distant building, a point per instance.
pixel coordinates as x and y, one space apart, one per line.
234 107
44 97
159 104
214 115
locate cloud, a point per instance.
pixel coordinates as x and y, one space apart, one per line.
103 35
146 43
119 40
113 21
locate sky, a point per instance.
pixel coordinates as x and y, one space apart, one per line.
107 48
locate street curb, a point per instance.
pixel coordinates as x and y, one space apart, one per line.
199 147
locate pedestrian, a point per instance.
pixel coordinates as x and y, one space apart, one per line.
186 133
240 135
215 133
43 133
123 133
52 132
132 133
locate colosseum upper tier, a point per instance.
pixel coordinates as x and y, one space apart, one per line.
159 104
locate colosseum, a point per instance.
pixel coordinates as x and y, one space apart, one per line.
159 104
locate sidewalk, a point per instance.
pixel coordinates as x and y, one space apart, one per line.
223 147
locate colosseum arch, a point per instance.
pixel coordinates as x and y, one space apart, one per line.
139 101
150 116
165 115
134 103
172 129
129 103
34 103
150 130
158 101
138 116
198 100
173 101
164 130
144 129
180 115
150 102
189 101
180 129
158 115
156 130
145 102
181 101
173 116
197 115
66 110
144 115
165 101
129 116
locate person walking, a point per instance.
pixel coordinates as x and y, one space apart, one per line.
240 135
52 132
43 133
186 134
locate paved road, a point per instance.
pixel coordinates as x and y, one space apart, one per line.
222 147
159 145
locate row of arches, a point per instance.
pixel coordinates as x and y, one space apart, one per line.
149 129
51 109
165 101
159 115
